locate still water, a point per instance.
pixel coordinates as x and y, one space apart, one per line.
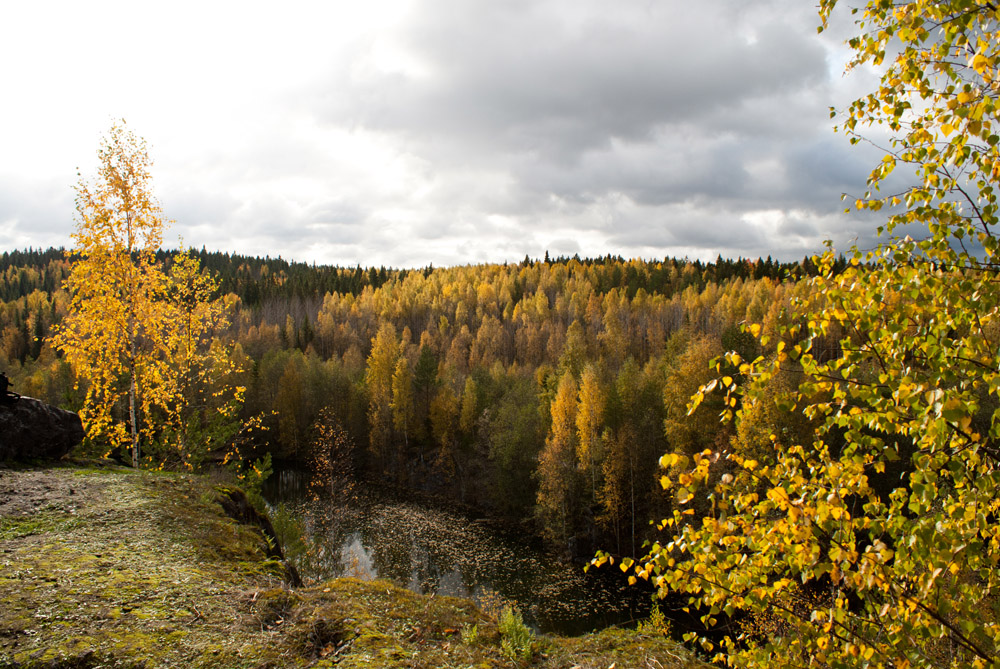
375 534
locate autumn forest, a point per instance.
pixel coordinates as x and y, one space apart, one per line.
803 456
544 392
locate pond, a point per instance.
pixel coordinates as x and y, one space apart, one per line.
374 533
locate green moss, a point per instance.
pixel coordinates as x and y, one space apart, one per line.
148 571
36 524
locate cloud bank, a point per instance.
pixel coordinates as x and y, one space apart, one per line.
445 131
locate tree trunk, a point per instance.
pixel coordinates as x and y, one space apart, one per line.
131 414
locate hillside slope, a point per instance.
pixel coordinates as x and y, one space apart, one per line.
112 567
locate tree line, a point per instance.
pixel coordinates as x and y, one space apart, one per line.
544 392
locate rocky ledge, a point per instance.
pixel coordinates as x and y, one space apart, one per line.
31 429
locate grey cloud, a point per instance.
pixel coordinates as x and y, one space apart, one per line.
529 78
562 246
337 233
558 106
827 166
40 211
336 213
796 227
711 230
646 127
191 206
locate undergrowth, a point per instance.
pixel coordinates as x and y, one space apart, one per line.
516 637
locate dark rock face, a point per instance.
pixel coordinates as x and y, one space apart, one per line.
32 429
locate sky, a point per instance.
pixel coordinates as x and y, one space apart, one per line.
405 133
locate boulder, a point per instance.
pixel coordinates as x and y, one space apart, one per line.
31 429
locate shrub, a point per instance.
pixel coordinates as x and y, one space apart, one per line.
516 638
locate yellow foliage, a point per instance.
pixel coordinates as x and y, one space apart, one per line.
139 337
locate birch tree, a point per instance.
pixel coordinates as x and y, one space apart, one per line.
110 335
557 467
873 540
143 339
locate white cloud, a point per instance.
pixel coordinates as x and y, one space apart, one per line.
405 132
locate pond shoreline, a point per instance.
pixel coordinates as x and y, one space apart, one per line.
433 546
106 566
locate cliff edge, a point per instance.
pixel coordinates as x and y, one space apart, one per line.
124 568
31 430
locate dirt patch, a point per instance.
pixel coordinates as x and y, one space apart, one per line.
24 492
134 566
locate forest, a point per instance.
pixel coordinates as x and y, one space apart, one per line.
544 392
805 455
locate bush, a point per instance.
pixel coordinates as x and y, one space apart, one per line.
515 637
656 625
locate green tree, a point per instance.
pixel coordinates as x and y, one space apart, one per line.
612 339
403 412
513 429
291 406
469 412
378 377
690 370
574 352
424 381
589 426
444 413
631 451
618 494
837 561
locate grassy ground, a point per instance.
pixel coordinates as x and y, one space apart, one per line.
115 568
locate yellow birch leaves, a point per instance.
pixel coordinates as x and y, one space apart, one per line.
871 539
141 338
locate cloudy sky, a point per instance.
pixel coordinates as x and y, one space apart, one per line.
408 132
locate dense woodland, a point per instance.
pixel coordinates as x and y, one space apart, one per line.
543 392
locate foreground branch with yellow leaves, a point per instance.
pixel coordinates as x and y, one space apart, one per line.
872 538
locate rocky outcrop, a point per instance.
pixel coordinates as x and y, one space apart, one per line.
31 429
237 506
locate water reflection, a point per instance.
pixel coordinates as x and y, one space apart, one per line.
360 560
429 550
